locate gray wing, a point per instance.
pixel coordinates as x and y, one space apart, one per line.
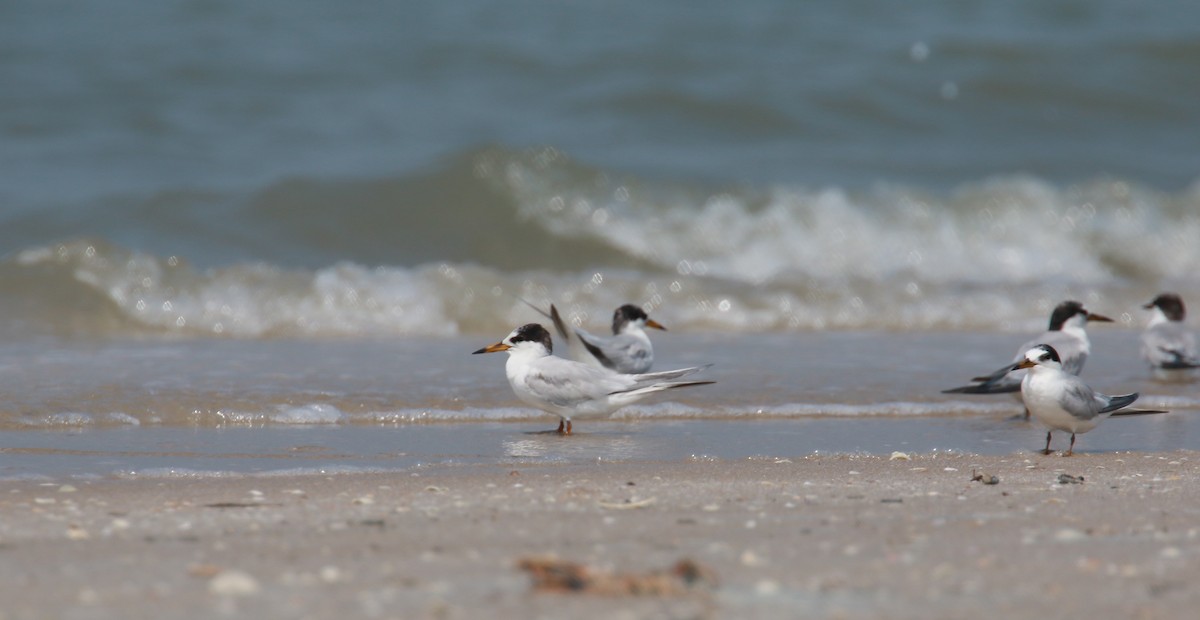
663 376
1082 401
574 339
566 383
1071 351
622 353
1112 403
567 337
1169 345
1001 381
597 347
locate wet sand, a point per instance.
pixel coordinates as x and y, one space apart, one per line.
910 536
179 453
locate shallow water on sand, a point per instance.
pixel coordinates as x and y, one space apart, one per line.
190 408
201 453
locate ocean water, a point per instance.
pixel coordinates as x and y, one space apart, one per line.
267 215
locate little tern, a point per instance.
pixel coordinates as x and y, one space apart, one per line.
1067 334
573 390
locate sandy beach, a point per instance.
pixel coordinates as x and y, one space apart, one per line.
249 249
905 536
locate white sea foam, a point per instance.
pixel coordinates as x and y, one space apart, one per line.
997 254
432 415
122 419
80 419
307 414
64 419
1001 231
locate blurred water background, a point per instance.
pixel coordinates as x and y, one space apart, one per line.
220 168
210 174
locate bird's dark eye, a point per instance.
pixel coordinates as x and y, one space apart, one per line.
532 333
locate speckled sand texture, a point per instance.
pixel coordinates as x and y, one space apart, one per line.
833 536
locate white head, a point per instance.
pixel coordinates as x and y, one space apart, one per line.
1042 356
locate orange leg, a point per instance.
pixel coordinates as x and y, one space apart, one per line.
561 426
1071 450
568 428
1047 450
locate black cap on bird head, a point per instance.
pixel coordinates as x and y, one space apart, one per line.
1063 312
1170 304
627 314
1066 310
1048 353
1045 353
532 332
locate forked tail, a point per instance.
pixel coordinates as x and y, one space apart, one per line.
658 387
1116 403
1125 400
669 375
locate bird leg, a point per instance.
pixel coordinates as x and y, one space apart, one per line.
564 427
1027 414
1071 450
1047 450
568 427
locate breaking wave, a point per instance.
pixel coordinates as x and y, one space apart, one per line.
455 249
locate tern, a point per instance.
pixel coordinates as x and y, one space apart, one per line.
570 389
1168 346
628 350
1067 334
1061 400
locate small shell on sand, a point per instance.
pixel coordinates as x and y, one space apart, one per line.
233 583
